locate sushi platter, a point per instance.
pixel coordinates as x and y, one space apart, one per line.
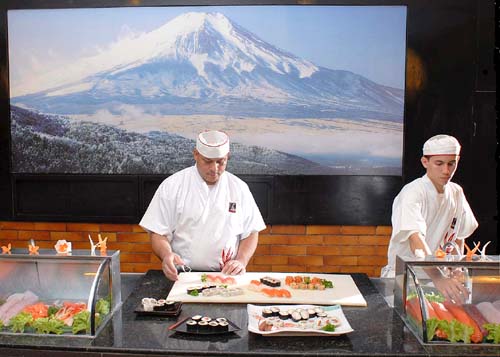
264 288
160 307
297 320
204 325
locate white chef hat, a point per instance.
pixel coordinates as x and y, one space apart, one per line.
212 144
441 145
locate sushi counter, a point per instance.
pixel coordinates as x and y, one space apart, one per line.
374 329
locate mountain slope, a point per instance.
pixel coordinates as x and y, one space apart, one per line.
205 63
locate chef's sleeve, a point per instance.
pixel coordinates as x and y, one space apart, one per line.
158 217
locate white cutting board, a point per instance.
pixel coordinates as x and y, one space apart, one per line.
345 292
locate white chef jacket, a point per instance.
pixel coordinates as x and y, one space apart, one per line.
420 208
202 220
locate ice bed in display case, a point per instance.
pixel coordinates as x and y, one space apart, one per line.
438 319
47 293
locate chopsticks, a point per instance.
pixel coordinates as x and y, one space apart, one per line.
177 323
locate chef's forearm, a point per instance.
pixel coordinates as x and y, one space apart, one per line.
247 248
417 241
160 245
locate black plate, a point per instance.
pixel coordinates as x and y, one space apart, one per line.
183 329
175 311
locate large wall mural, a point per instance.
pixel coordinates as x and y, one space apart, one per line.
301 90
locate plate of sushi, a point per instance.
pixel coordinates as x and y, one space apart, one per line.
205 325
159 307
297 320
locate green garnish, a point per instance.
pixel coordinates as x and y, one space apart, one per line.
328 327
194 292
203 278
19 322
327 283
307 280
102 306
433 297
81 322
52 310
48 325
493 332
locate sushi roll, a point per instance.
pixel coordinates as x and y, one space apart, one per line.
284 315
160 306
267 313
304 315
296 316
169 305
196 318
275 311
223 326
318 309
206 319
221 319
192 290
311 312
321 314
202 326
191 325
213 326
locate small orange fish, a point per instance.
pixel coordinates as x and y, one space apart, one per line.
6 249
33 249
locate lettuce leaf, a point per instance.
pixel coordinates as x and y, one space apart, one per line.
48 325
19 322
493 332
81 322
456 330
102 306
432 325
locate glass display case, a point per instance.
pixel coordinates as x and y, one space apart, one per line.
450 300
72 294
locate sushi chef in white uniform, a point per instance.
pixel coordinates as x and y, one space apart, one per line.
203 216
432 211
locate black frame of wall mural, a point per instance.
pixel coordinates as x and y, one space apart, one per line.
450 88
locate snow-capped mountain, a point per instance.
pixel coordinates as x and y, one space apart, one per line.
203 63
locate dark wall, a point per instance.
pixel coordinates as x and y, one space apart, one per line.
451 87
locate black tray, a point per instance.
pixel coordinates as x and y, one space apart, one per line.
172 312
182 328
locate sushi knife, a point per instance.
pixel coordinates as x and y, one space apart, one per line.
178 323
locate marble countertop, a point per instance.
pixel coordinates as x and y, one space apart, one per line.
378 330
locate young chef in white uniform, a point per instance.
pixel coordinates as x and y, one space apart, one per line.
202 216
432 211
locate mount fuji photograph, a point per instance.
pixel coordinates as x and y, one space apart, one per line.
301 90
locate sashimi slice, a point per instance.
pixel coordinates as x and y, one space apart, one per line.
28 299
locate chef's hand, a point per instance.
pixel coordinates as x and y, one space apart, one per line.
168 265
233 267
452 289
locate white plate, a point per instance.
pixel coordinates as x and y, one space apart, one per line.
255 316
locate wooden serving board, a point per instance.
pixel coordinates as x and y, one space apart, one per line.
345 292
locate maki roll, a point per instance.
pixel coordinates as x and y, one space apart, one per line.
304 315
213 326
296 317
196 318
206 319
321 314
284 315
169 305
223 326
267 313
221 319
191 325
203 326
311 312
274 283
275 311
160 306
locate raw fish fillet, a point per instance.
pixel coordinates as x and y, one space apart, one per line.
18 304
